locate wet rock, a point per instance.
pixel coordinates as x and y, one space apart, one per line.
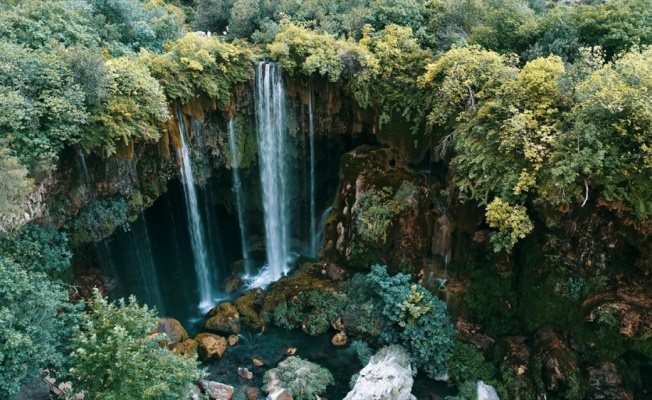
473 333
223 318
248 307
232 340
291 351
605 383
257 362
558 366
486 392
338 325
210 345
629 307
188 348
232 283
217 391
388 375
339 339
172 329
244 373
335 273
252 393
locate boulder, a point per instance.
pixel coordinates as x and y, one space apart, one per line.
280 394
486 392
248 306
172 329
210 345
217 391
244 373
194 393
232 340
257 362
223 318
388 375
188 348
339 339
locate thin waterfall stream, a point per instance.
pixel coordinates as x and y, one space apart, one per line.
195 225
313 217
239 195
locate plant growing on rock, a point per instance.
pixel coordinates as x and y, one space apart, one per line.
303 379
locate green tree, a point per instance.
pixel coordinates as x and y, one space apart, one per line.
114 357
36 321
15 186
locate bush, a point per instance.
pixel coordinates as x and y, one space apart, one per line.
303 379
37 248
313 310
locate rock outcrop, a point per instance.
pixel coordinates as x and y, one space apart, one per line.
387 376
486 392
173 329
210 345
217 391
223 318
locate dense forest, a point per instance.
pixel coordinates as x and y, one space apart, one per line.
489 161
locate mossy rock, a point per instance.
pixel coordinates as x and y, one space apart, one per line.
223 318
188 348
172 328
248 305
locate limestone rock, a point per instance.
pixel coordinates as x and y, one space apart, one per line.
172 329
223 318
605 383
339 339
387 376
486 392
257 362
280 394
210 345
558 365
245 373
232 340
217 391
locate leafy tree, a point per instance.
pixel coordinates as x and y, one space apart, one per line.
37 248
132 109
199 66
303 379
14 189
36 320
114 356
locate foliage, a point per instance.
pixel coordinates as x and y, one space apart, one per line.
133 107
468 364
96 221
37 248
41 107
303 379
14 189
412 317
36 320
114 356
512 223
200 66
313 310
363 350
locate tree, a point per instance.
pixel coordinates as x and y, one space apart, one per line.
14 189
114 356
36 320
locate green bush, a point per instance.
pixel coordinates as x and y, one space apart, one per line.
37 248
314 310
303 379
97 221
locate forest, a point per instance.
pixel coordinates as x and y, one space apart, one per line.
454 195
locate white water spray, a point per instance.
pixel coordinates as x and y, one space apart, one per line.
239 195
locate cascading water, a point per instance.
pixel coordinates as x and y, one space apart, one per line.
195 227
140 251
239 195
274 173
313 217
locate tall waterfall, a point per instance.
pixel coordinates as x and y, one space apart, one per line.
239 195
140 251
313 217
195 226
274 174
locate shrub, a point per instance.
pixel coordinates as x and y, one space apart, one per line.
303 379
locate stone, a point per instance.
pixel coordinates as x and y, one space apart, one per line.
232 283
257 362
210 345
188 348
486 392
291 351
223 318
252 393
172 328
244 373
232 340
339 339
338 325
605 383
280 394
218 391
558 365
388 375
194 393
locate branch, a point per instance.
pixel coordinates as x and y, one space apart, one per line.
586 197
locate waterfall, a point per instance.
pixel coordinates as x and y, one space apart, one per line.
313 217
239 195
140 253
274 174
195 227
